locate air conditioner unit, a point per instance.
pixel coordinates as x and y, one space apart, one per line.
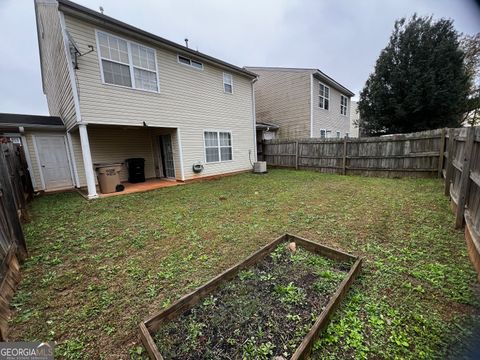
260 167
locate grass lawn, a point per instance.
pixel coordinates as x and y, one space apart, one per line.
97 268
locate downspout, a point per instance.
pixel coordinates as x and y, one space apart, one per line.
254 118
84 141
21 130
311 105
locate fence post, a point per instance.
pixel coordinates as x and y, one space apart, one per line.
344 160
442 151
296 155
465 178
449 164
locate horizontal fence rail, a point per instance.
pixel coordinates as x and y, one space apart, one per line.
15 190
462 184
453 154
413 155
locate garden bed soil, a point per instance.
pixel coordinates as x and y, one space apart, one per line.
264 311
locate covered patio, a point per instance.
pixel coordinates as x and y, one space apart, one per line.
148 185
113 144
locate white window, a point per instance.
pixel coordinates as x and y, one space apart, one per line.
127 64
338 134
347 135
218 146
324 97
227 83
323 133
190 62
328 134
343 105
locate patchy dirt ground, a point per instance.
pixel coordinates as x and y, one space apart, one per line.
265 311
96 269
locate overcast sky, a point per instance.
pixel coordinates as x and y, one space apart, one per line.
341 38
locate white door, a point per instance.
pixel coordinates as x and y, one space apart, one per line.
52 154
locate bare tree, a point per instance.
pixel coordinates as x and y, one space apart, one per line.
471 48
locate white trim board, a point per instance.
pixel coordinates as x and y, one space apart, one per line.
220 161
71 71
130 65
29 160
72 155
37 156
311 106
180 154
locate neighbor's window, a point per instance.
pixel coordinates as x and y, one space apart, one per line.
343 105
338 134
328 134
324 97
323 133
190 62
218 146
347 135
127 64
227 83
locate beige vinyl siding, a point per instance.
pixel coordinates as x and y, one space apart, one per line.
30 139
55 76
115 144
354 118
78 158
35 171
282 97
118 144
330 119
191 100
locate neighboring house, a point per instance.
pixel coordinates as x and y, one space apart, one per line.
304 103
125 93
354 119
264 132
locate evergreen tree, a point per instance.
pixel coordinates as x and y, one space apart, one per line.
420 80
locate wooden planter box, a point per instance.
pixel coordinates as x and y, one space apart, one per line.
154 322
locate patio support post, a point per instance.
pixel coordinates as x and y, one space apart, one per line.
87 161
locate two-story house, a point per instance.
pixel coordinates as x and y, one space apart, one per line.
125 93
303 103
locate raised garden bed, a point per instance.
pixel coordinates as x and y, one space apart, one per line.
274 303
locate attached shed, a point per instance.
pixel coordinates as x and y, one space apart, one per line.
43 139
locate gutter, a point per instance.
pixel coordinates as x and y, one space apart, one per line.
86 14
254 119
39 47
328 79
32 126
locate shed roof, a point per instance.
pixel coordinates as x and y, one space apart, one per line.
16 120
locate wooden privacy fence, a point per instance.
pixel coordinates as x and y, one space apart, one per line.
13 196
413 155
462 184
450 153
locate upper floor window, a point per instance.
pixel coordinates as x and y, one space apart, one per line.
218 146
323 133
343 105
324 97
190 62
338 134
227 83
127 64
